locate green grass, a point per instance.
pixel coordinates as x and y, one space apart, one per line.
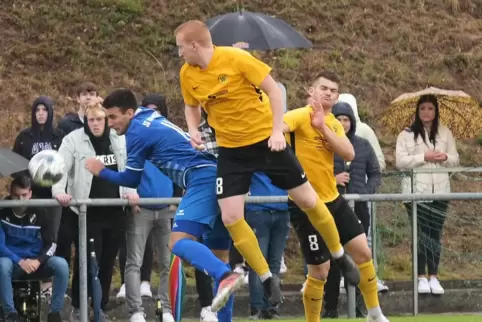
428 318
421 318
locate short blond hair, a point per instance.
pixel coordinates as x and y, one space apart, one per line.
95 110
195 30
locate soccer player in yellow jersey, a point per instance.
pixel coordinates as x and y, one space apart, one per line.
244 107
318 135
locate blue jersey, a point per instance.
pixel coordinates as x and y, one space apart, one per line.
154 184
261 186
153 138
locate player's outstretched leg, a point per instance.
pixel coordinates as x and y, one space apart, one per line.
361 254
202 258
244 239
320 217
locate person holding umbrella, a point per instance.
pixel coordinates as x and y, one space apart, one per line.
244 106
427 144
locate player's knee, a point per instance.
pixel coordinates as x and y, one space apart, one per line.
304 196
232 209
359 250
319 272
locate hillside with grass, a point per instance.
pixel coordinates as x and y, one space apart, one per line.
381 49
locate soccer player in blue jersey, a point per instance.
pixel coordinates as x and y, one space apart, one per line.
151 137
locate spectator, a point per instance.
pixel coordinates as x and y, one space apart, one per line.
104 224
350 178
364 131
144 222
271 223
427 144
85 95
27 248
41 136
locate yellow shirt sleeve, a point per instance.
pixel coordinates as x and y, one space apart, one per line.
338 128
252 68
185 88
296 118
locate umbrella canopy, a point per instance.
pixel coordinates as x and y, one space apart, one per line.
458 111
255 31
11 162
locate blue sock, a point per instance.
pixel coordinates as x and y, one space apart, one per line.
201 257
225 314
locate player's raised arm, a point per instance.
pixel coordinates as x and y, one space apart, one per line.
338 141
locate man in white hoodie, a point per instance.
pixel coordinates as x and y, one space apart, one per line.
365 131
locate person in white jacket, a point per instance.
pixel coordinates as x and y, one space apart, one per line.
106 225
427 144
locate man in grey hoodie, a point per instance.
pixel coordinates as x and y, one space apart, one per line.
360 176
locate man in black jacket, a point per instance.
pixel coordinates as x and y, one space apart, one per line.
27 248
86 95
360 176
40 136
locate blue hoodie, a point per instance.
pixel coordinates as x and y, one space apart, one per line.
261 186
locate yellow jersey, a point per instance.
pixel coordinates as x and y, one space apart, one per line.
228 90
314 152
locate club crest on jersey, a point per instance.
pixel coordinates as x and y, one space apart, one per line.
223 79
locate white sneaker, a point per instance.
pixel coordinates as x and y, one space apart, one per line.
145 289
167 317
382 287
283 269
423 286
380 318
122 292
207 315
435 286
137 317
303 288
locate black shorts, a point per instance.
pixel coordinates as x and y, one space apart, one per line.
237 165
313 247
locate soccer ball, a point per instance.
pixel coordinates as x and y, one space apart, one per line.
46 168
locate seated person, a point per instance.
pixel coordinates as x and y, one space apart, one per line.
27 246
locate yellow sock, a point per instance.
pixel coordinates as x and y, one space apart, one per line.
247 244
321 218
313 299
368 285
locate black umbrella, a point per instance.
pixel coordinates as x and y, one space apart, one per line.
11 162
254 31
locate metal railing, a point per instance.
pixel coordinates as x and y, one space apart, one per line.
83 203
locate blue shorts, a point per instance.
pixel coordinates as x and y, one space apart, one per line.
198 213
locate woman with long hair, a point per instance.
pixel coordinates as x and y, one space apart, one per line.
427 144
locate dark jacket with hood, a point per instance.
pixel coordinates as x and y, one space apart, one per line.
34 139
70 122
365 174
